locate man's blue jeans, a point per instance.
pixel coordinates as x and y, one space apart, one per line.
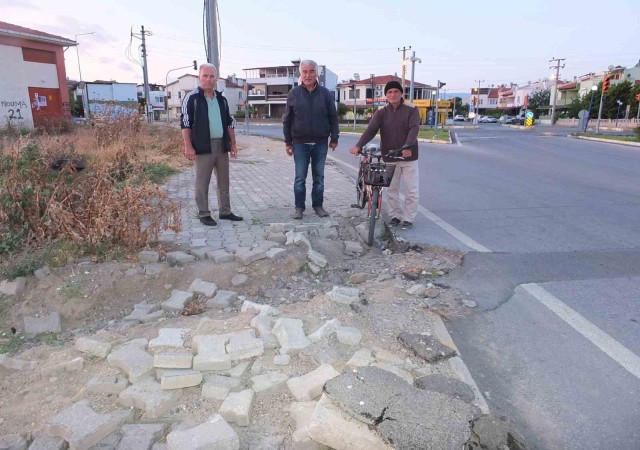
302 155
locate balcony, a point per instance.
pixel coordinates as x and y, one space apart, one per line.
272 81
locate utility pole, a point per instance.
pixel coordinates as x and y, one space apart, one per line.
404 64
353 86
211 20
555 87
475 119
145 73
413 60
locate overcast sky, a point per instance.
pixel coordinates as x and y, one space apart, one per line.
458 42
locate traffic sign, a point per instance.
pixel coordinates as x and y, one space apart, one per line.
529 115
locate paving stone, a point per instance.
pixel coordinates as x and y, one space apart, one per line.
262 309
244 346
426 347
446 385
309 386
280 227
147 256
109 442
132 359
82 427
290 335
177 300
301 413
325 331
71 366
280 238
155 268
239 370
328 233
45 324
140 436
222 299
212 354
239 280
401 373
205 288
48 443
173 360
247 256
145 312
269 383
170 337
385 356
218 387
215 433
201 252
107 385
344 295
93 347
179 258
15 287
281 360
362 357
221 256
148 396
317 258
14 442
297 238
417 290
16 364
276 253
42 273
349 335
353 248
180 378
263 326
315 269
402 414
330 426
236 408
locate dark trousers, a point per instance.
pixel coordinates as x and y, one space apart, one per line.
303 154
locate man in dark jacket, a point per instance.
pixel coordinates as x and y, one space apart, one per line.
399 125
209 137
309 120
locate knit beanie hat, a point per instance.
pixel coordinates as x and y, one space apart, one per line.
392 85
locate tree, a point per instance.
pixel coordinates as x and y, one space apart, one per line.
539 101
342 109
619 91
577 105
460 108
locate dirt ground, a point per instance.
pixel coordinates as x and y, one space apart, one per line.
93 298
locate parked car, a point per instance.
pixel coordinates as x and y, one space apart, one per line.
508 119
490 119
482 119
459 118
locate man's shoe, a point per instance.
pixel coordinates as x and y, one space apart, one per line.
231 216
208 221
321 212
406 224
394 222
298 213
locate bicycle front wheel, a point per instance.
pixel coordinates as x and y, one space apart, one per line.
373 216
361 191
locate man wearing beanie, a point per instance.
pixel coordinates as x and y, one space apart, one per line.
398 124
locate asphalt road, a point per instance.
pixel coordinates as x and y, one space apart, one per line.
552 229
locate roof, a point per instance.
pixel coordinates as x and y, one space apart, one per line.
182 76
383 79
566 86
8 29
231 84
494 93
506 93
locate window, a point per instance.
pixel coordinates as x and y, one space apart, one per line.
344 95
179 94
169 94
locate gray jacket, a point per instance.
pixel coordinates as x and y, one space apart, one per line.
310 116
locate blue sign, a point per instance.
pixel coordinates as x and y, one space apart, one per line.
529 115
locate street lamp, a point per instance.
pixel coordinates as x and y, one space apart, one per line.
586 124
166 82
618 113
78 52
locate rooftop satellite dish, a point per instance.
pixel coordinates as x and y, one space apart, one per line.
611 68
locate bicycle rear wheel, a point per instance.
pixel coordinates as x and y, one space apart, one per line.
373 216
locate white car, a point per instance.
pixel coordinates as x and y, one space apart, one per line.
458 118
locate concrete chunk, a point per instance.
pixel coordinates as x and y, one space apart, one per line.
205 288
301 413
148 396
362 357
180 378
290 335
280 227
132 359
269 383
218 387
16 364
326 330
222 299
140 436
177 300
344 295
309 386
237 407
144 312
93 347
74 365
215 433
281 360
212 354
417 289
48 443
247 256
107 385
426 347
82 427
147 256
243 346
276 253
349 335
353 248
317 258
221 256
15 287
179 258
45 324
239 280
169 337
13 442
262 309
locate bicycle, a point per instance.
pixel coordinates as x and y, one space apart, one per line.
374 175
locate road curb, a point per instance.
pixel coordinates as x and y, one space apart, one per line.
607 141
518 127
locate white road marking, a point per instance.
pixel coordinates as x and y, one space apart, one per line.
612 348
453 231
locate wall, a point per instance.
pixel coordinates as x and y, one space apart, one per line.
111 99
